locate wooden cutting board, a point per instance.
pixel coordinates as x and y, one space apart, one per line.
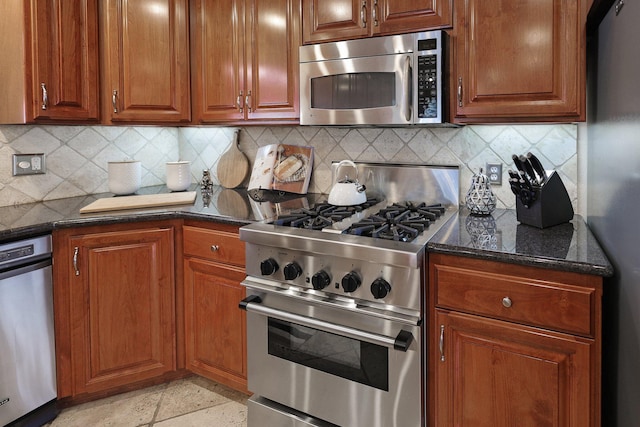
233 165
140 201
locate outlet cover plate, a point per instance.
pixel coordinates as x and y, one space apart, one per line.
494 173
29 164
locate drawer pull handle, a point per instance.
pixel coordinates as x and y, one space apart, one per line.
45 96
75 261
114 101
441 343
506 301
215 248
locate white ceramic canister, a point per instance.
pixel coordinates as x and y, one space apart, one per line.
124 176
178 175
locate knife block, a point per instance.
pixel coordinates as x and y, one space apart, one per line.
552 205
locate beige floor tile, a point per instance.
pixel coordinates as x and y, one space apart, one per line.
230 414
136 408
193 401
193 394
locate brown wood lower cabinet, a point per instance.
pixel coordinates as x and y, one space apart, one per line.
496 374
114 298
143 303
215 328
497 360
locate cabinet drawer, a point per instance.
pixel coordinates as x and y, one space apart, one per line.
533 302
213 245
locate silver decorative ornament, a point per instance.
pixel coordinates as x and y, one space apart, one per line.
480 200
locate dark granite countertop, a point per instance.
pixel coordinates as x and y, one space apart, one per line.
225 205
499 237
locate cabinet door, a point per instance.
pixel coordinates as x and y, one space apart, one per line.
146 54
518 61
64 39
497 374
324 20
215 326
121 309
272 41
401 16
217 36
245 60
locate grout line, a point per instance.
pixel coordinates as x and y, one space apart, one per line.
155 413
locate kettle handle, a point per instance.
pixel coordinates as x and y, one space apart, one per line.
342 163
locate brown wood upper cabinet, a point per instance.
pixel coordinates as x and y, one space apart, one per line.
518 61
55 45
245 60
145 54
349 19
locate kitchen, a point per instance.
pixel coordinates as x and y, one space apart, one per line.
76 155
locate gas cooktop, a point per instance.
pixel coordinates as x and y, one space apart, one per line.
407 205
376 218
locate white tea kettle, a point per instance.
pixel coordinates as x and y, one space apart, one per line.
347 191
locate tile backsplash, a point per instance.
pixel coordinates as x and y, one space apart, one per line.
77 156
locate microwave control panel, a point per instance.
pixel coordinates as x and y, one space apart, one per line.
427 86
428 91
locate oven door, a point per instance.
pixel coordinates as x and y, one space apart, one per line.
357 91
339 364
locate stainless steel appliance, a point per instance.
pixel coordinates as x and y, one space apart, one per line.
27 360
335 303
391 80
613 202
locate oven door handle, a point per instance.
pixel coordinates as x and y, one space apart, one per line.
401 342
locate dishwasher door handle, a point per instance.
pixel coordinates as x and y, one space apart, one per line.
24 270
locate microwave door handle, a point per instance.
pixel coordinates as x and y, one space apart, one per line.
407 89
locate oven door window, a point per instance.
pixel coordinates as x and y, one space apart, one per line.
354 91
345 357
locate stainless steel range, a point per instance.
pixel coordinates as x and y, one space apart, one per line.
335 303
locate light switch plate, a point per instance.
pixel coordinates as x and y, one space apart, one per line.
29 164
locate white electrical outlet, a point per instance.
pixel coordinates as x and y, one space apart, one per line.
28 164
494 173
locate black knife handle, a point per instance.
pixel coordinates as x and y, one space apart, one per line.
537 166
529 170
517 162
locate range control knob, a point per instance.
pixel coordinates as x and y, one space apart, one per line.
351 281
292 271
268 267
380 288
320 280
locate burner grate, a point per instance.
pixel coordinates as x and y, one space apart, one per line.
402 221
321 215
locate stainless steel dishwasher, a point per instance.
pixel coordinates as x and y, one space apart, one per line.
27 355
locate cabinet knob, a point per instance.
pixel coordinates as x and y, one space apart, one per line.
215 248
506 301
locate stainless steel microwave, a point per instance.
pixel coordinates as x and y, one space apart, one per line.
390 80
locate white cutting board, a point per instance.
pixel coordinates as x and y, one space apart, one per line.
140 201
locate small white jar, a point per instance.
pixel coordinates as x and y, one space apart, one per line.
124 176
178 175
